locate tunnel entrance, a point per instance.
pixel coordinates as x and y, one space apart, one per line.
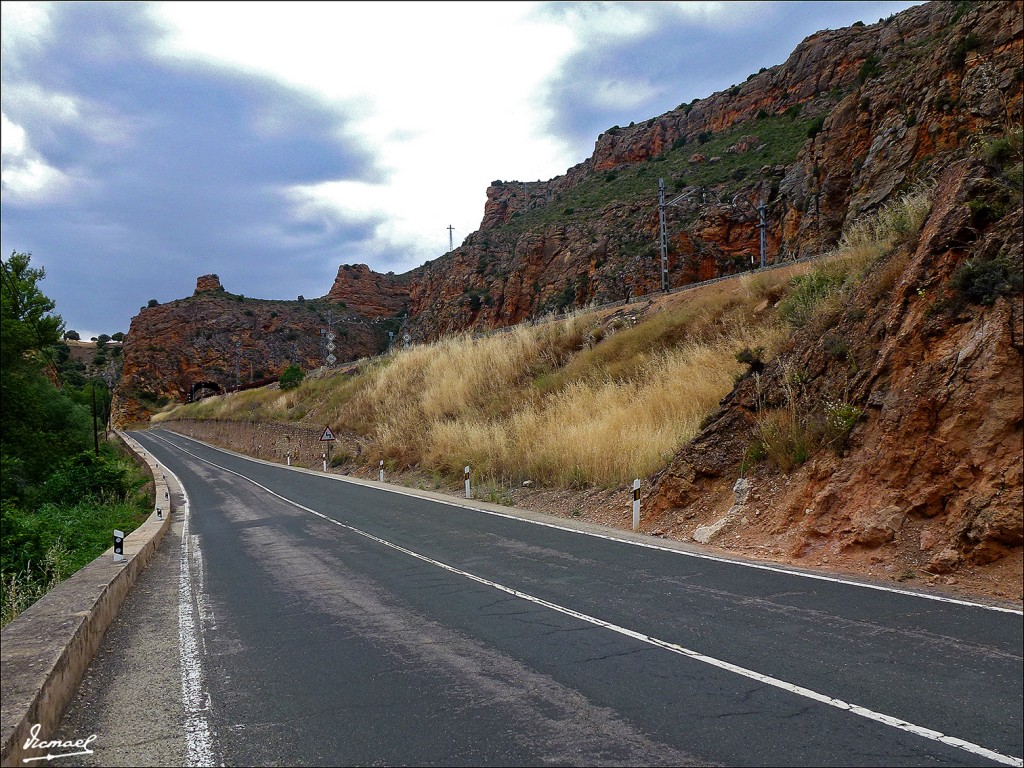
201 389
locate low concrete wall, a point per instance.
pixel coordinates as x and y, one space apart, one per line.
45 651
267 441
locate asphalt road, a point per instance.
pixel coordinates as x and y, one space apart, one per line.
327 622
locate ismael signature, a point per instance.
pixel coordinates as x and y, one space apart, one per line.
33 742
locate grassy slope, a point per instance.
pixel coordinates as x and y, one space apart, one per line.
598 399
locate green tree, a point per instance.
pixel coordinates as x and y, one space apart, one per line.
39 424
27 323
291 377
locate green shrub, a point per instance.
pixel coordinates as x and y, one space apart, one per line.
982 281
808 291
836 346
291 377
869 68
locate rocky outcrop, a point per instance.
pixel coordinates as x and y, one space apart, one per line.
205 283
933 365
370 293
215 342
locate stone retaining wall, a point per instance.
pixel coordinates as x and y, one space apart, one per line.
268 441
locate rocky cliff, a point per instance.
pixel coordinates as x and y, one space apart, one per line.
929 373
852 117
214 342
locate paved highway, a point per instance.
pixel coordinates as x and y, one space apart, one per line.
329 622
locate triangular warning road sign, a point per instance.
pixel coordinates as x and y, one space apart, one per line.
327 436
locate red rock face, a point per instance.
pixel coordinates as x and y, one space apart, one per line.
934 465
206 283
213 342
370 293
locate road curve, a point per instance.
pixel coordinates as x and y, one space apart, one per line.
337 623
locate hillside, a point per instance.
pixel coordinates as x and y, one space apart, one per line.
216 341
854 117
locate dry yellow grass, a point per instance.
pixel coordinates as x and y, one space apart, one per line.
566 403
612 417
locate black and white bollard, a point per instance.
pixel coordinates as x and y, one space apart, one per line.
289 458
636 504
382 470
159 513
324 455
118 546
467 482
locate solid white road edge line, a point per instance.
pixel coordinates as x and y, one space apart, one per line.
855 709
195 699
608 537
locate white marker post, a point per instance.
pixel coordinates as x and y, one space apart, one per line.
118 546
467 482
382 470
636 503
289 457
324 457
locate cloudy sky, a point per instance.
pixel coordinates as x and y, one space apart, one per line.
147 144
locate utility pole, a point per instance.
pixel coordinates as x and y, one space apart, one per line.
747 209
238 363
761 226
663 234
663 228
451 242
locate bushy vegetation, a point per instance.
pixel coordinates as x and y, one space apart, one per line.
982 281
291 377
59 503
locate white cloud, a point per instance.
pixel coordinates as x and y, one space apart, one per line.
12 137
448 96
623 94
24 26
26 178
